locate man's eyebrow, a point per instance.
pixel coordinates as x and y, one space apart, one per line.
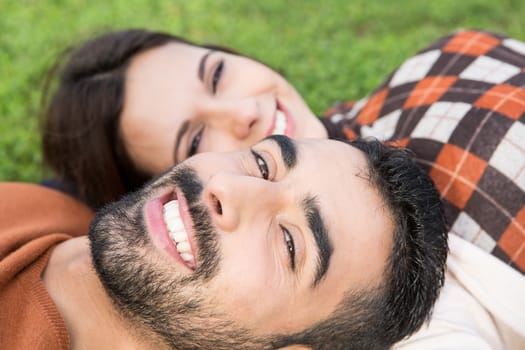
183 128
202 65
287 148
320 233
311 210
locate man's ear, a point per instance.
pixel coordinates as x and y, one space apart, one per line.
296 347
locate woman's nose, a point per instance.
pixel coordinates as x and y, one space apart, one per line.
236 116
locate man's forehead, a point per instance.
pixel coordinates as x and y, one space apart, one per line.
291 149
358 223
335 159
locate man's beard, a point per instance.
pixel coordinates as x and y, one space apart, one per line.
153 298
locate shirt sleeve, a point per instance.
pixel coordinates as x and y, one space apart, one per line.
458 321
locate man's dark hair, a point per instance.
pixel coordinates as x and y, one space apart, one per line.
414 275
81 142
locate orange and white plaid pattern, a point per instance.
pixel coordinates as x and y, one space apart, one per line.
460 106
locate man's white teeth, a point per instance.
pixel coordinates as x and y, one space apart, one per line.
175 225
178 236
186 257
177 232
280 123
184 247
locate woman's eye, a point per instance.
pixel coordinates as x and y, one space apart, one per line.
194 146
217 73
290 246
262 165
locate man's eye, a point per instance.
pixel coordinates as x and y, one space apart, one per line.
217 73
194 146
261 164
290 246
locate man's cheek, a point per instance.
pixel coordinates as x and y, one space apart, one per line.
249 286
243 270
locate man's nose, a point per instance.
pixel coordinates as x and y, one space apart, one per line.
236 116
234 199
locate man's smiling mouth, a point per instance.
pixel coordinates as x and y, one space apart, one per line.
170 227
177 232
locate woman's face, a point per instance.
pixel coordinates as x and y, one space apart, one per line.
182 99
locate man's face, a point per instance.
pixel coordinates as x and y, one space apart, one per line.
268 240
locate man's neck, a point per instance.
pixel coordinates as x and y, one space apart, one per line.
91 320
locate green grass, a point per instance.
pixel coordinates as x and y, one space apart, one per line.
331 50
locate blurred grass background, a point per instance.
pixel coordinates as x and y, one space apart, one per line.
330 50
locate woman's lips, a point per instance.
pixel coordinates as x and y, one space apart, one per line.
282 123
290 122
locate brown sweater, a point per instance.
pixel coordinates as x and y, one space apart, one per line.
33 220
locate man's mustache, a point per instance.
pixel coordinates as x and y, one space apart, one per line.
187 180
206 237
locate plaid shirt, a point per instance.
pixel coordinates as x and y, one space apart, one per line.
459 105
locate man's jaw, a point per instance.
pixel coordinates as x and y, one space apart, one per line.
170 227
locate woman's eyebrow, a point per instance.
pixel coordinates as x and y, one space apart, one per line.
202 64
183 128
